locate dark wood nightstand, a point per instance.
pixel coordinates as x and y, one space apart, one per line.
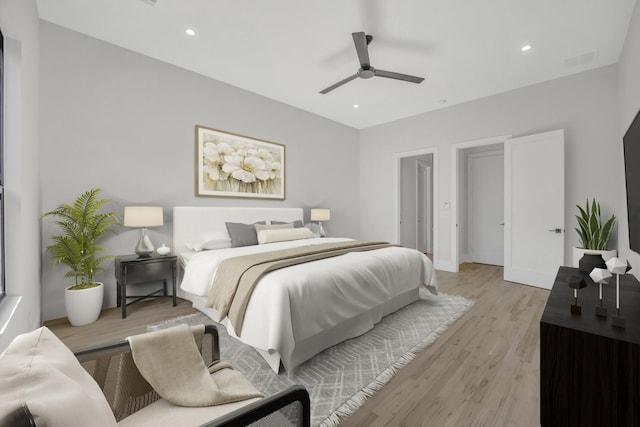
131 270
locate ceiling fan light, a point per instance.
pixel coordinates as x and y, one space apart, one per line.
190 32
526 48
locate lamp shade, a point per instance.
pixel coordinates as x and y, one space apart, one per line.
320 214
142 216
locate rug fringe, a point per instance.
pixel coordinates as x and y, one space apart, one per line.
355 402
175 320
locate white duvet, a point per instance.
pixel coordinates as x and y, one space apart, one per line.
291 306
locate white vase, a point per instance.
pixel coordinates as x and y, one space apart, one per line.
579 253
84 305
163 250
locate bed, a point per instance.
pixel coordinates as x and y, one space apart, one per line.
298 311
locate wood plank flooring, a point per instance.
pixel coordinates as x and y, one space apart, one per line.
483 371
111 327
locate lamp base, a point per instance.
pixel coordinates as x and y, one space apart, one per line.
144 248
321 229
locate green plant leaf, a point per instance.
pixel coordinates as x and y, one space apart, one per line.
82 225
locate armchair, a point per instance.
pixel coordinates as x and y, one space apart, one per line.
130 404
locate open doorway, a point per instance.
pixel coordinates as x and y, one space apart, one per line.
481 204
464 220
417 199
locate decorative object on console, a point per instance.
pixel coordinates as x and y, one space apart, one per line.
617 266
163 250
231 165
83 225
576 282
144 217
594 236
319 216
591 261
600 276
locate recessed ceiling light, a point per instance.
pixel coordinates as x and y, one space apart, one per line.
526 48
356 106
190 32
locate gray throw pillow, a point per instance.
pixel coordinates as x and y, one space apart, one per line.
296 224
242 234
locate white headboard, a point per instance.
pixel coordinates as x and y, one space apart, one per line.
190 223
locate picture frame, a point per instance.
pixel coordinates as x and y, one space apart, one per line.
233 165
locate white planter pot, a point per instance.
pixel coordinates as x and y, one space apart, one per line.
84 305
579 252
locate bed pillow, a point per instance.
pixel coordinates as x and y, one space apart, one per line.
260 227
283 235
211 240
296 224
242 234
39 371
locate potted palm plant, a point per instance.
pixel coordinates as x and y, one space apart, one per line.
594 235
82 224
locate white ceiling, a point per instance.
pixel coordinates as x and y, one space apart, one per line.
288 50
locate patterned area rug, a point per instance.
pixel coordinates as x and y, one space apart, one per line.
343 377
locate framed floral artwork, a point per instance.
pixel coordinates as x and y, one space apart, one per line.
231 165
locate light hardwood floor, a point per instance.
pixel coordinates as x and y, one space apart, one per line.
483 371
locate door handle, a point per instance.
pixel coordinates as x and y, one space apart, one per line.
556 230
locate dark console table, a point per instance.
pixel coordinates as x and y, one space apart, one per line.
590 370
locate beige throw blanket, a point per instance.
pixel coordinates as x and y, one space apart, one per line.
170 361
236 278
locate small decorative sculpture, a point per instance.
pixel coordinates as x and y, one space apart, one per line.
600 276
576 282
617 266
163 250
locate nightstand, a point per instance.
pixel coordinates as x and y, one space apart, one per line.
132 270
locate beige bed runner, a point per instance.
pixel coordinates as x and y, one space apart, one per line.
236 277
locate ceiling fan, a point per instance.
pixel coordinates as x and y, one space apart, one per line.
366 71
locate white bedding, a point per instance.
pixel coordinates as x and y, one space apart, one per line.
298 311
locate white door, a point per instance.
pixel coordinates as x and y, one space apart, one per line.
486 187
423 202
534 208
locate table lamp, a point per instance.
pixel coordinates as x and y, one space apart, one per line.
143 217
600 276
617 266
320 215
575 283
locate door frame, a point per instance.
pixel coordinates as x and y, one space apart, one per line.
398 186
428 191
456 148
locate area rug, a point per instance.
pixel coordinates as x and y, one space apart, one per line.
343 377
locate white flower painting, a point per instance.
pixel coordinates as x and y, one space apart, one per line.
230 165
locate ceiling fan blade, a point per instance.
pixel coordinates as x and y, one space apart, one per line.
336 85
360 40
398 76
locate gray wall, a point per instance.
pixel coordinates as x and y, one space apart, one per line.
629 104
123 122
585 105
20 311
